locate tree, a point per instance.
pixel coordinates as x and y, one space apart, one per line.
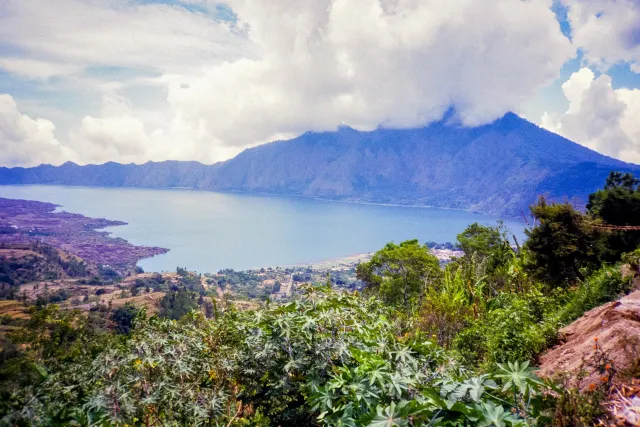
400 273
122 318
563 244
618 204
176 304
486 243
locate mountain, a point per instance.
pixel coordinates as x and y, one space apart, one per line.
499 168
149 175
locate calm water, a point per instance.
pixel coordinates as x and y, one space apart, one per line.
207 231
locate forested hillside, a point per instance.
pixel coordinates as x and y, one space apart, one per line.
498 168
421 345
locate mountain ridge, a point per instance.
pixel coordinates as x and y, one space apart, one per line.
499 168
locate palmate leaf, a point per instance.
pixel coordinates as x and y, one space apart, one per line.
518 375
390 416
476 386
493 415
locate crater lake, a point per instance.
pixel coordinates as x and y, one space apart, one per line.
208 231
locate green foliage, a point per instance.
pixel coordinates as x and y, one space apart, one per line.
399 274
123 317
328 358
602 286
618 204
175 304
489 244
515 327
448 308
563 244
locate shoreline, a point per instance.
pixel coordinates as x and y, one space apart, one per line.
82 236
516 218
443 255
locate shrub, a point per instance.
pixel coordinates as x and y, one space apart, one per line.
443 316
563 245
605 285
514 328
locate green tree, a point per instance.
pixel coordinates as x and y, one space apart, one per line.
176 304
400 274
564 245
488 247
618 204
122 318
485 241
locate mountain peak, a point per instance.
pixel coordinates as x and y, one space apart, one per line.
499 168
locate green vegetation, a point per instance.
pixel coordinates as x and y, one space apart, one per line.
176 304
400 274
123 317
30 262
564 244
421 345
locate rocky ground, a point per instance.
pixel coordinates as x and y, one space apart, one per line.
608 335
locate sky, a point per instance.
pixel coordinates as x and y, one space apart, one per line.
131 81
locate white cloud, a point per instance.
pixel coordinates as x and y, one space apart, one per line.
608 31
600 117
25 141
152 37
34 69
117 134
285 67
396 63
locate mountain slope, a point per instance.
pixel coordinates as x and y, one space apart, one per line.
498 168
149 175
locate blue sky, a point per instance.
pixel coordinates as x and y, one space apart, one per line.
136 80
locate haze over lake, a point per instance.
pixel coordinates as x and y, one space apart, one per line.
208 231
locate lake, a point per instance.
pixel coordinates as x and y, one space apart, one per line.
208 231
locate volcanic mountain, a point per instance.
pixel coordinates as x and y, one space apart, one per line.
499 168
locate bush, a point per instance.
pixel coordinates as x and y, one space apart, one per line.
326 359
605 285
443 316
514 328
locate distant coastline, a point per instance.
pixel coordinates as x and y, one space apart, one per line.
33 221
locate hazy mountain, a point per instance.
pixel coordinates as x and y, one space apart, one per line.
149 175
498 168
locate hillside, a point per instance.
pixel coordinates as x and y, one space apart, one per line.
30 262
498 168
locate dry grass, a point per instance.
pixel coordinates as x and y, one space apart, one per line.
624 404
14 309
17 253
150 300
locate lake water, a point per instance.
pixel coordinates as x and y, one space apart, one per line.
207 231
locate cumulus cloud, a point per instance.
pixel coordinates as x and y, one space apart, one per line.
278 69
117 134
365 63
25 141
599 117
607 31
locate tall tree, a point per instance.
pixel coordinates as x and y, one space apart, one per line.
618 204
563 243
490 244
400 273
176 304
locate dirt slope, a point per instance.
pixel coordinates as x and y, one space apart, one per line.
616 326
